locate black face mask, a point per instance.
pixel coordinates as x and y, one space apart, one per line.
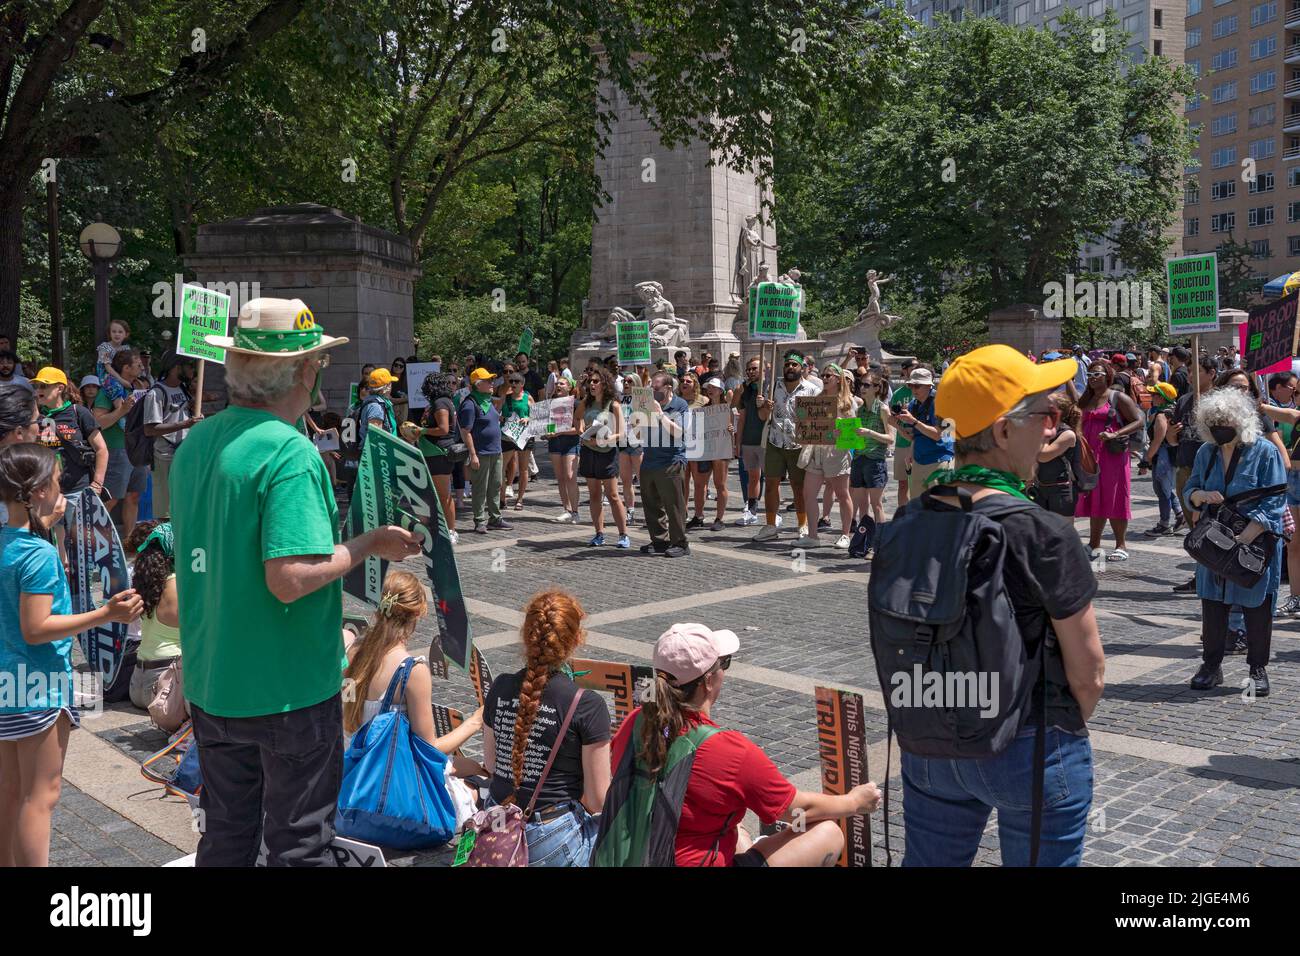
1222 434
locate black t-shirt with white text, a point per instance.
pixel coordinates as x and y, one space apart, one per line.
68 432
1048 575
590 725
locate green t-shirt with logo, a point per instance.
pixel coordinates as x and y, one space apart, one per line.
247 487
115 434
902 396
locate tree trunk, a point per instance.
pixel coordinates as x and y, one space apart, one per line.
11 255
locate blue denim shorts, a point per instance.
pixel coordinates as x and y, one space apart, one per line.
565 841
1293 488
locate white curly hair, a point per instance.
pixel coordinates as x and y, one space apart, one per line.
1232 407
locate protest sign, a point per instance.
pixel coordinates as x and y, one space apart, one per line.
633 342
526 342
774 311
814 419
328 440
96 563
842 744
643 401
393 487
539 420
628 683
1271 336
516 430
848 438
346 852
1193 293
203 313
708 438
561 410
416 373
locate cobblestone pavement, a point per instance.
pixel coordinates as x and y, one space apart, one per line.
1181 778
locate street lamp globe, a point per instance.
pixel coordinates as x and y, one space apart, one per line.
99 240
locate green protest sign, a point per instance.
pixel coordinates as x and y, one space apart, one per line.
633 342
393 487
525 343
203 313
1193 293
848 438
774 310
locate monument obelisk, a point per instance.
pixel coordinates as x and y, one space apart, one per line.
675 219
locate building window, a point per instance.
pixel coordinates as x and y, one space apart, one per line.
1293 212
1224 59
1193 38
1263 184
1193 7
1264 115
1293 176
1051 4
1133 23
1194 67
1263 80
1192 227
1096 8
1259 216
1157 48
1224 92
1224 27
1191 193
1223 189
1263 13
1223 222
1259 249
1223 125
1293 245
1263 47
1022 14
1193 102
1262 148
1157 22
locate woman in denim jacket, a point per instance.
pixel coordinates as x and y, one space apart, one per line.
1237 458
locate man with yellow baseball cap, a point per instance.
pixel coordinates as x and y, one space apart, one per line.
998 404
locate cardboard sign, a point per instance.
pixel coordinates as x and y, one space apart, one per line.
1271 335
525 342
346 852
1193 293
203 313
328 440
96 563
814 419
842 744
848 438
393 487
561 414
628 683
633 342
539 420
416 373
708 438
516 430
774 309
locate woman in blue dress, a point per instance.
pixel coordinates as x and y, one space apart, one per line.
1237 458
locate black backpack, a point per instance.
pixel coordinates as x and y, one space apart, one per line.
139 446
941 618
864 535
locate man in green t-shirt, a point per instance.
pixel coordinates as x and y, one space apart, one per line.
258 573
902 445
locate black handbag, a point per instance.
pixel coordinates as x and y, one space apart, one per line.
1214 542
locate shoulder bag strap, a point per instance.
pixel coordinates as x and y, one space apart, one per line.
397 686
555 749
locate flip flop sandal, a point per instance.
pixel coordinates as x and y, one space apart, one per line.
1119 554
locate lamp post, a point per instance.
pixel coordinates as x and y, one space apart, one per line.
101 244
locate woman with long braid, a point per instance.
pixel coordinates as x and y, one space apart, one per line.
522 716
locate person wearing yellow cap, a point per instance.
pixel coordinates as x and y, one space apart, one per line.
1001 410
71 430
1159 459
377 408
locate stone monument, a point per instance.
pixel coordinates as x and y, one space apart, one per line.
356 279
1025 327
694 227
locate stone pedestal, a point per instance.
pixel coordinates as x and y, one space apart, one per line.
1025 328
1229 334
356 279
675 219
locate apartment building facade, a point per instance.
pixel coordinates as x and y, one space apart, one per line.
1245 184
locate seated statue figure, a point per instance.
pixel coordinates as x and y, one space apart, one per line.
665 328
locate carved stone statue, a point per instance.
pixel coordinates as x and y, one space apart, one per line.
872 319
749 254
665 328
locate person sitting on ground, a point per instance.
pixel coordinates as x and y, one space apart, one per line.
154 578
730 774
522 718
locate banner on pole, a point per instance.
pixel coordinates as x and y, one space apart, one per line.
393 487
633 342
1271 335
774 310
1193 293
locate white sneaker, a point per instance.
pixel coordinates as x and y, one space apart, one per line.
767 533
455 538
564 517
842 542
631 515
510 493
747 518
533 469
711 495
779 522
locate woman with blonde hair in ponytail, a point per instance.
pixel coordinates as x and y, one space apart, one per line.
522 718
728 775
380 653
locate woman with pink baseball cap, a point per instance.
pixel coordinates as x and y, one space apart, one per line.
730 774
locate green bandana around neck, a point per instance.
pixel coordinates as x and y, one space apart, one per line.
979 475
481 399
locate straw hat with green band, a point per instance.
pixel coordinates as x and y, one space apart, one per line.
277 328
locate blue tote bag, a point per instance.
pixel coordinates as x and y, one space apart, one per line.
394 790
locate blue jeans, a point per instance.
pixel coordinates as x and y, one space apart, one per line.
565 841
946 803
1162 482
